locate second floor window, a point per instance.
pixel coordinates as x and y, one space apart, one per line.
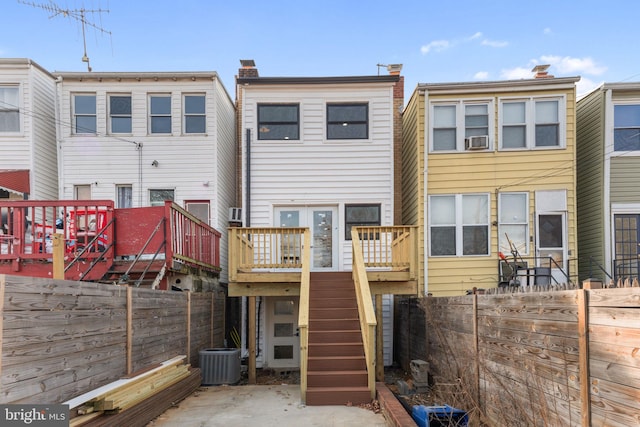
194 114
532 123
453 123
347 121
626 127
9 109
160 114
459 225
120 113
278 122
84 113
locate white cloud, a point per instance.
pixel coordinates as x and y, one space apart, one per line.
475 36
437 45
584 86
481 75
547 31
568 65
516 73
494 43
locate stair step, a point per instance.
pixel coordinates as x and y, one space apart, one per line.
318 396
336 336
333 313
317 303
337 378
336 349
333 324
330 363
331 293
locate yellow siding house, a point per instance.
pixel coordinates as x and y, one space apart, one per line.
489 176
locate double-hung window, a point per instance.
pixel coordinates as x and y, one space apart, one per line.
626 127
84 113
157 197
160 113
459 225
9 109
120 113
513 223
361 215
194 114
124 196
278 122
348 121
532 123
454 123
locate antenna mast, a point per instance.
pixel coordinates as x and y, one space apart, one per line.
79 15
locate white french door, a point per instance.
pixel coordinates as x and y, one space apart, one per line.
322 221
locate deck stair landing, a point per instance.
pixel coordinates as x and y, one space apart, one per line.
336 373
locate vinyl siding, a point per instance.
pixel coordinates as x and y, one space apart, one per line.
314 171
590 181
625 176
491 172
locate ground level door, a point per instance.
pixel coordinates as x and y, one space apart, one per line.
323 223
626 258
282 340
552 248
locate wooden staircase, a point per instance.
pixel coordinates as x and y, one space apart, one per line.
116 273
336 371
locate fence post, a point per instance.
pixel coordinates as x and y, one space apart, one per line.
583 364
212 313
188 327
379 340
476 346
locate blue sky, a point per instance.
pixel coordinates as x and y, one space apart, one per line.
436 41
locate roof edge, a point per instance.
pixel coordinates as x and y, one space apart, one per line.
317 80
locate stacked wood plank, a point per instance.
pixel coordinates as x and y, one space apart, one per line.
128 400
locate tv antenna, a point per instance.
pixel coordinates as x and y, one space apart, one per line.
79 15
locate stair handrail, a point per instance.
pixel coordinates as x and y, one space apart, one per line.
89 245
150 263
303 312
95 261
139 254
366 312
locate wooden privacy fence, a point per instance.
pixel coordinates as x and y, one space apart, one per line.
60 339
565 358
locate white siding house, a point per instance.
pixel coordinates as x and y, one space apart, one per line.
140 138
317 152
28 162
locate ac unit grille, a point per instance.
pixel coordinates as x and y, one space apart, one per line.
220 366
476 142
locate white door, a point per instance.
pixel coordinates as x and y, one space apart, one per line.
283 342
551 236
322 221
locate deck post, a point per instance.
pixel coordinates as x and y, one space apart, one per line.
379 340
252 340
58 256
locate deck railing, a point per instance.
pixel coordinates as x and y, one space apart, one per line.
303 312
389 247
365 310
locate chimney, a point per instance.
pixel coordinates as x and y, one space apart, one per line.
394 69
248 68
541 72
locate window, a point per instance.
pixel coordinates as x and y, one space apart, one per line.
459 225
278 122
124 196
84 114
160 113
363 214
9 109
199 209
158 197
454 121
347 121
194 114
532 123
627 245
513 222
120 113
626 127
82 192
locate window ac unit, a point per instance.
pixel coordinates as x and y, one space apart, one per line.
235 214
476 142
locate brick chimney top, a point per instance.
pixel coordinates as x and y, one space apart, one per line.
248 68
394 69
541 72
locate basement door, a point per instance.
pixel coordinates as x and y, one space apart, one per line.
283 341
323 224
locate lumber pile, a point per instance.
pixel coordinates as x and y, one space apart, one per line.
136 400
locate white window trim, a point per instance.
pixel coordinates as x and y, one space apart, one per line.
185 114
459 225
531 124
110 117
74 115
460 125
149 115
19 108
611 147
527 223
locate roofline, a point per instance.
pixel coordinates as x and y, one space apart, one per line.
26 62
620 86
499 85
317 80
136 75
